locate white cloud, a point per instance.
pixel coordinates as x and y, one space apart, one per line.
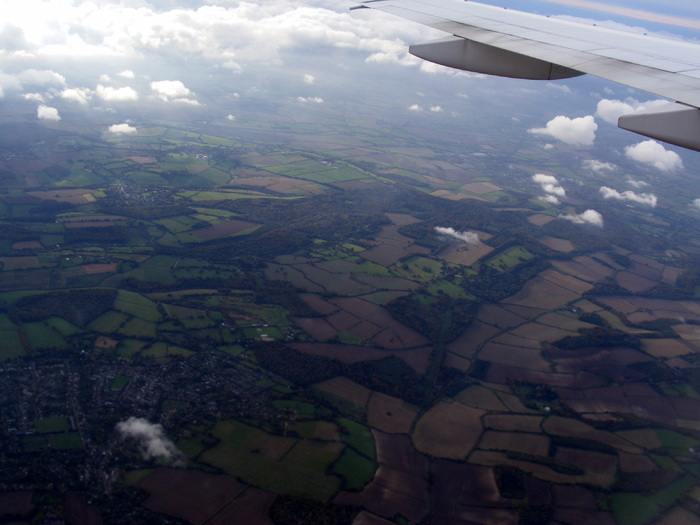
611 110
151 438
169 89
636 183
652 153
435 109
112 94
173 91
696 203
189 101
648 199
466 237
577 132
309 79
230 117
598 166
415 107
548 146
550 199
47 113
316 100
232 34
79 95
550 185
127 73
45 77
587 217
559 87
122 129
34 97
29 77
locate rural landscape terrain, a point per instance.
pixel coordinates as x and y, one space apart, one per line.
322 316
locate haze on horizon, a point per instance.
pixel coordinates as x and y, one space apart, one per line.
221 59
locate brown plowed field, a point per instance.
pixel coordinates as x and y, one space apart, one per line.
346 389
448 430
191 495
389 414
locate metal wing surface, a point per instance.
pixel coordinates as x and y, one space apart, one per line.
506 42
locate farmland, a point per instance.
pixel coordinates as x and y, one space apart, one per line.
293 321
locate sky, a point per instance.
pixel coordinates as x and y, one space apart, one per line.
60 57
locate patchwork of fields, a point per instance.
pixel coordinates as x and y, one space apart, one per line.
387 371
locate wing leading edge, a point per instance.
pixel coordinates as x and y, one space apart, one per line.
504 42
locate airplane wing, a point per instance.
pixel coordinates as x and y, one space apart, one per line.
505 42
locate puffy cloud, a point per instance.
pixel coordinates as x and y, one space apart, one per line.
559 87
45 77
696 203
611 110
47 113
550 185
577 132
648 199
112 94
435 109
598 166
316 100
122 129
309 79
34 97
230 117
466 237
151 438
168 90
79 95
29 77
587 217
636 183
548 146
415 107
127 73
652 153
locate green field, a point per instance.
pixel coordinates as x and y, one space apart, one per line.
418 269
41 336
139 329
358 437
65 441
137 305
509 258
108 322
355 469
51 424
